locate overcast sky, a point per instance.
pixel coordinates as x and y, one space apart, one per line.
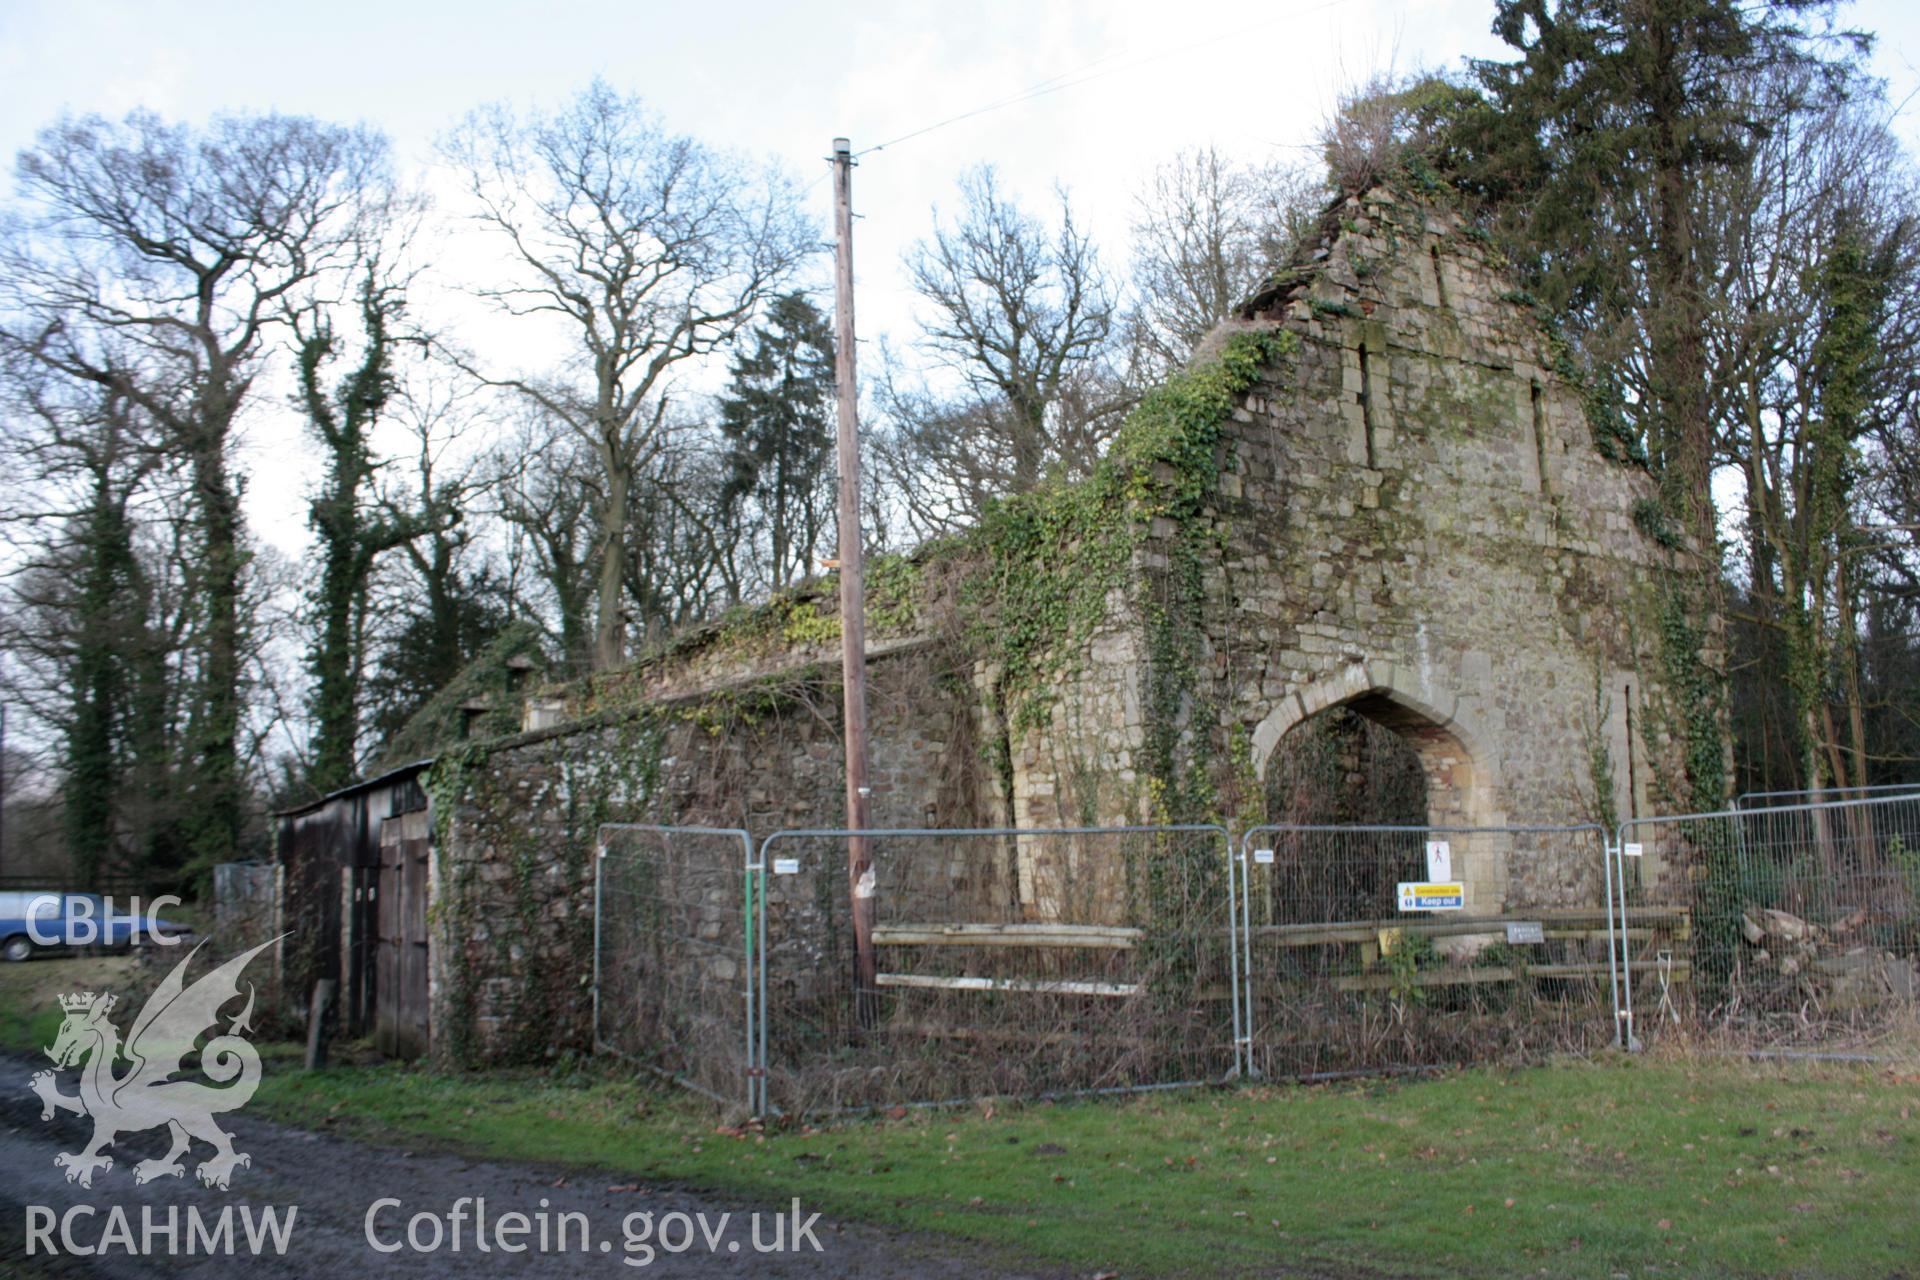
1251 76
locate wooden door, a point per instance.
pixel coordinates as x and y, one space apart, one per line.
359 947
400 908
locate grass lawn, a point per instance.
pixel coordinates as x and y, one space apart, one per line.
30 994
1710 1169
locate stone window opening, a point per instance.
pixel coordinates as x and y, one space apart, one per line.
1540 437
1365 396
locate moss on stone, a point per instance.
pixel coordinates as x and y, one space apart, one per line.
489 678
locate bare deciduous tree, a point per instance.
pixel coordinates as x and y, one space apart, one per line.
647 249
547 485
1022 316
1206 233
693 544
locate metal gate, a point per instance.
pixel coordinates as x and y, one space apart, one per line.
674 939
1380 948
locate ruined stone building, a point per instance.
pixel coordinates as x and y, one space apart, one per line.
1380 488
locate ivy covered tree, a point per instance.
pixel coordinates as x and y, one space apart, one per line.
1807 459
87 623
351 528
157 262
1600 154
106 609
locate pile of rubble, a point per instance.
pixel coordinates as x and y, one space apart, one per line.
1830 965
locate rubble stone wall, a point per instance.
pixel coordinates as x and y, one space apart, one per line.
515 857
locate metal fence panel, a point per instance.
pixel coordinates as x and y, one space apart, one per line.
1010 962
246 907
1794 925
675 923
1821 795
1036 962
1338 978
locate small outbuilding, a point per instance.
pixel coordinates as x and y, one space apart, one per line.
356 864
357 876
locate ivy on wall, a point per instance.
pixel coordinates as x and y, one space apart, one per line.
528 931
489 678
1056 557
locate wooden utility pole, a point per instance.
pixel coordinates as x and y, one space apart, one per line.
853 589
3 784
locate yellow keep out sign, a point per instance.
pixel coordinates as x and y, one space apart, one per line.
1442 896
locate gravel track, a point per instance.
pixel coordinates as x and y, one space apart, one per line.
333 1181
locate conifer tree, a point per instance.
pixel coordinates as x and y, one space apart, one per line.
776 416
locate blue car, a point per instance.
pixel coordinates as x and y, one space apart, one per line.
32 922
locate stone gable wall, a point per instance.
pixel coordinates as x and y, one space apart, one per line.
1412 519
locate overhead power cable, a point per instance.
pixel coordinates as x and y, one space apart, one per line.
1094 70
1085 74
